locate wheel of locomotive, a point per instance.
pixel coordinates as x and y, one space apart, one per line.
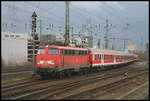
82 71
43 75
61 74
68 73
79 72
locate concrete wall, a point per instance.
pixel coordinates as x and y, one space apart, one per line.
14 50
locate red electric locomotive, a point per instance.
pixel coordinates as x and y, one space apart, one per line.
54 59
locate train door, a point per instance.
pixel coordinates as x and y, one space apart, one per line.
102 58
114 58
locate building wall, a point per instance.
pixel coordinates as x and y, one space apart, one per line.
90 41
14 49
132 48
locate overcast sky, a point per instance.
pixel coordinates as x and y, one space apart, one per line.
129 19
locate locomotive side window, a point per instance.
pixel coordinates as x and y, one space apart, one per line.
80 52
53 51
85 52
61 51
41 51
73 52
66 52
69 52
76 52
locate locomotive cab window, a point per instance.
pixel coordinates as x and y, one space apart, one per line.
53 51
41 51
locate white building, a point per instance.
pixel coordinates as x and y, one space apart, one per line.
14 48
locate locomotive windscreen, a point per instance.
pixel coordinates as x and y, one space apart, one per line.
53 51
41 51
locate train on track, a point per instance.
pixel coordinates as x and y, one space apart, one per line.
52 60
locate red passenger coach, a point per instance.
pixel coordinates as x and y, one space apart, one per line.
59 58
96 58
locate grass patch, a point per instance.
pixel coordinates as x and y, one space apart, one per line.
11 80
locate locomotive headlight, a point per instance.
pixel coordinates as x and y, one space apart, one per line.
41 62
50 62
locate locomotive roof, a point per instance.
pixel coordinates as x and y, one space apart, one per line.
63 47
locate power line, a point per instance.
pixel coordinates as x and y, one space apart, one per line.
47 10
31 12
98 17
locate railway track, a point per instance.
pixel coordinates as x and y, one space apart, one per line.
16 69
15 72
132 93
74 91
6 76
54 88
102 71
93 93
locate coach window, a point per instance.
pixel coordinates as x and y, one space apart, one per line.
105 57
99 57
95 57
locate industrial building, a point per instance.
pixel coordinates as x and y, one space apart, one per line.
14 48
